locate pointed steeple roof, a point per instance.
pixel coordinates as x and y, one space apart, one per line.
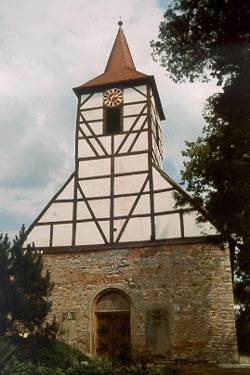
120 66
120 56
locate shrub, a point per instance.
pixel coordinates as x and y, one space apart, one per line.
59 354
16 367
52 353
7 350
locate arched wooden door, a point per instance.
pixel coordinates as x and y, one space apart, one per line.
113 326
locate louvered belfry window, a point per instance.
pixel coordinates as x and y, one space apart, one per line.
113 121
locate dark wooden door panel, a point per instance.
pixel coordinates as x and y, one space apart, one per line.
113 336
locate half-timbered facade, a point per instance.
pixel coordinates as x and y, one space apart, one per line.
119 199
119 192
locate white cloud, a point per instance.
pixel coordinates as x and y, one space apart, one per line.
48 47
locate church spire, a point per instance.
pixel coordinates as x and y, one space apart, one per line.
120 66
120 56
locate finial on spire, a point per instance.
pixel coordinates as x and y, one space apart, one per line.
120 23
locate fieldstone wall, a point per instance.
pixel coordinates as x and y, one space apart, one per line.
182 303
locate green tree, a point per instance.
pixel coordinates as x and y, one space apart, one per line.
24 288
4 282
211 38
203 38
7 350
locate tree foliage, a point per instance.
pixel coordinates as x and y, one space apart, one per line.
7 350
217 169
204 37
24 288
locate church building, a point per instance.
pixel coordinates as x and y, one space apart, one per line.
135 276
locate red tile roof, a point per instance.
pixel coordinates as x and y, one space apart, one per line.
120 66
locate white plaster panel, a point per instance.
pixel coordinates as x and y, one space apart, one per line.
117 227
105 225
98 147
143 205
164 201
58 212
167 226
88 234
84 150
84 97
94 101
95 187
100 207
68 191
92 114
123 205
127 143
159 181
130 184
133 109
82 211
141 143
131 95
131 163
40 235
106 142
137 229
128 122
118 138
97 128
140 122
96 167
193 229
62 235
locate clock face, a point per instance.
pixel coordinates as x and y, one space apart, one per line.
113 97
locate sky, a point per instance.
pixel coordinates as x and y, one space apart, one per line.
47 48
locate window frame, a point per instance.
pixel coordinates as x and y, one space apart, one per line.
107 109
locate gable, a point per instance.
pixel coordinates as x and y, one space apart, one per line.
86 219
174 222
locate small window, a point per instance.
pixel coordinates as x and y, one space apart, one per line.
113 121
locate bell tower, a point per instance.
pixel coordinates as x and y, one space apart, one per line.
119 193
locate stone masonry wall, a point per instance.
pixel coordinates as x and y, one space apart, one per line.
192 282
